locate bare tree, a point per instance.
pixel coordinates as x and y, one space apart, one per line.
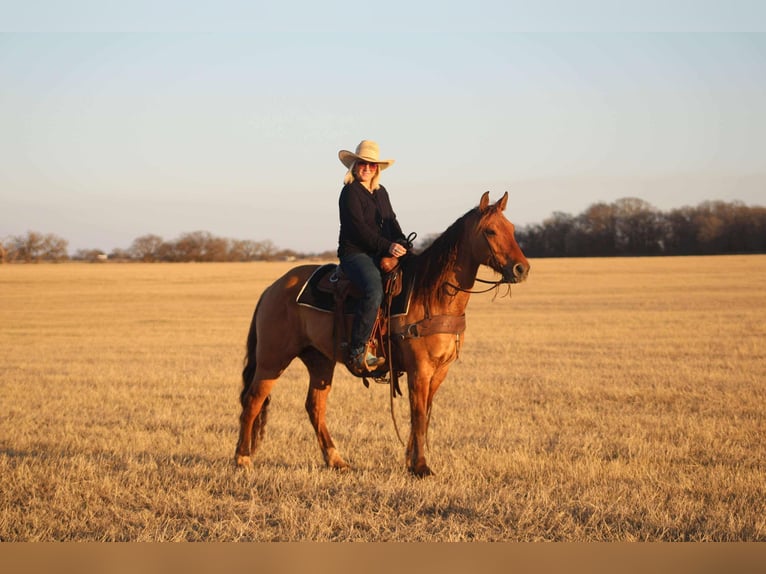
35 246
598 225
243 250
146 248
637 227
54 248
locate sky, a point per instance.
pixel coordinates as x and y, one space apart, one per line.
119 120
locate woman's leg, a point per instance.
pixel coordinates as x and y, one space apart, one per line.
361 269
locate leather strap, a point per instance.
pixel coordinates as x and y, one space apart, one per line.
450 324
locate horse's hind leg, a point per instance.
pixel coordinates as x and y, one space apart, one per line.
320 372
253 400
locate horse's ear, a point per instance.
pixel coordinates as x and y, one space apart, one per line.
484 203
503 201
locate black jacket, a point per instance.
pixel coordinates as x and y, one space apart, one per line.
367 221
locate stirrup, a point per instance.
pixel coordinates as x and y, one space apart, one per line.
366 362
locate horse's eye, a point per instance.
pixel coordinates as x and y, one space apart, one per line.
489 232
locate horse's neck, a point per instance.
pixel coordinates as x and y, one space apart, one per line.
451 298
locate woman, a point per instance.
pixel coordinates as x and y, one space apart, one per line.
368 231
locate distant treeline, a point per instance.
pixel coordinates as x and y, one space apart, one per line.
626 227
197 246
632 227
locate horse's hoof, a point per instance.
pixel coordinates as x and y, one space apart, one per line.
244 462
421 471
336 462
341 467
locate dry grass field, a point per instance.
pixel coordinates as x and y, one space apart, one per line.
606 400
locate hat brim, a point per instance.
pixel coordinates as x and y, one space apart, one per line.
348 158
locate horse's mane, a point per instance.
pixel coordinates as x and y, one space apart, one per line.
433 263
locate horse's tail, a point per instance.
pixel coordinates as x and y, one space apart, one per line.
249 363
248 372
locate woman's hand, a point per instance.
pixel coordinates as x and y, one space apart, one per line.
397 250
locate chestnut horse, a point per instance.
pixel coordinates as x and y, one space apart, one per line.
445 274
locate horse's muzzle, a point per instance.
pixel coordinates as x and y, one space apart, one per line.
516 273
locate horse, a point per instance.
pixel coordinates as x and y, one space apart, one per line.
446 271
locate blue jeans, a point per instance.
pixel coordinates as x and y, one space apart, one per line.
364 273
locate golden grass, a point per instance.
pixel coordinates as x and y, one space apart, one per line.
608 399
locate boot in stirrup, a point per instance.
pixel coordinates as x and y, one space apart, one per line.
365 362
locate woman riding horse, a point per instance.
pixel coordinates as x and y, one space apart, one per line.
368 231
427 339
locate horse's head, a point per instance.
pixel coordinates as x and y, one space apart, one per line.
494 244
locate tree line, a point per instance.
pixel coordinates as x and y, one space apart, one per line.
626 227
198 246
632 227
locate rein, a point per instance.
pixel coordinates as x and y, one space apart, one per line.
493 285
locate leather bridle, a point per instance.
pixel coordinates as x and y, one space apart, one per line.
492 284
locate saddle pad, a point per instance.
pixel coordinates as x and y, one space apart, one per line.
311 296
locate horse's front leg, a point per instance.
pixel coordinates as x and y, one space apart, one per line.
422 390
419 384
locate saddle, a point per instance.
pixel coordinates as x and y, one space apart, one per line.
330 290
336 283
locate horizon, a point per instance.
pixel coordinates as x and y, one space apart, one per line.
279 250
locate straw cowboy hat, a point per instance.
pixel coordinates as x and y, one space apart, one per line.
367 150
